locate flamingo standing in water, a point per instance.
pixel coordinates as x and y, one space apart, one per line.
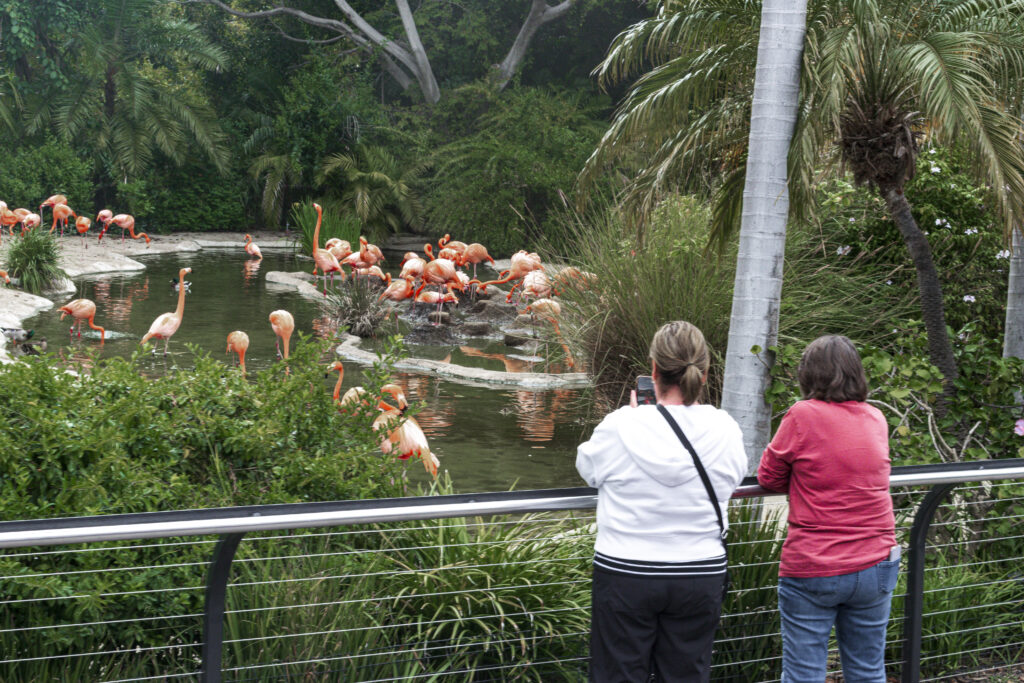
82 224
549 310
238 342
251 249
283 324
474 253
82 310
167 324
324 259
397 290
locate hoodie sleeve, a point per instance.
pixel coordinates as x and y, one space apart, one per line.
596 458
777 459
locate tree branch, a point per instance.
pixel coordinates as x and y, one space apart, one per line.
540 14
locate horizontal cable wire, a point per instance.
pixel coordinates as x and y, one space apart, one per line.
102 623
1001 667
973 650
161 677
135 650
40 553
987 627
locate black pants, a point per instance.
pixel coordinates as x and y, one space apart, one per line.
642 626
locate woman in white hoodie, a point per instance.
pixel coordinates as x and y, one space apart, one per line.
659 560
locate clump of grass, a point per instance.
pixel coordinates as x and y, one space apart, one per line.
32 258
344 226
638 287
355 304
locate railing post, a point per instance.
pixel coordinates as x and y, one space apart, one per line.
913 603
213 610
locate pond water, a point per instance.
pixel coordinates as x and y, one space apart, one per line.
487 439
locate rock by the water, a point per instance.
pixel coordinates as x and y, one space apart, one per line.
477 329
518 337
434 335
492 310
525 320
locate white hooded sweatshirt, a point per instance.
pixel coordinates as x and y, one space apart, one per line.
651 504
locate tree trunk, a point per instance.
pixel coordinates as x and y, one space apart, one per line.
424 74
940 349
540 14
1013 335
758 287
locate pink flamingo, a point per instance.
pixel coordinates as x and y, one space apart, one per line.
405 440
82 310
127 222
104 217
283 324
238 342
61 213
397 290
167 324
475 253
324 260
82 224
31 220
6 278
251 249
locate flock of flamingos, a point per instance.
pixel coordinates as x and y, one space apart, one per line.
419 275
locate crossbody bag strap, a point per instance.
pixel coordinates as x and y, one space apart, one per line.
700 470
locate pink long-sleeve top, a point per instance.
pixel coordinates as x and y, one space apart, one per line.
833 460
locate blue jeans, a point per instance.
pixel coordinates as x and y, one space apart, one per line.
857 604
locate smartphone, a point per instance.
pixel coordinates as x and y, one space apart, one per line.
645 391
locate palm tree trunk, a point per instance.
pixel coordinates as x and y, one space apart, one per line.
940 349
1013 335
758 285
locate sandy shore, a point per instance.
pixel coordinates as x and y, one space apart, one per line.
114 256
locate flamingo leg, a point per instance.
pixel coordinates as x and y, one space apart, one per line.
167 342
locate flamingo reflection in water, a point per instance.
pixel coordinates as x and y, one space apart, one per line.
250 269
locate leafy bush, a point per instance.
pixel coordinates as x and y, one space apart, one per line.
33 173
963 230
190 198
32 258
113 440
344 226
499 184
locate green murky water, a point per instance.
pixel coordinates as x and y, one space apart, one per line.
487 439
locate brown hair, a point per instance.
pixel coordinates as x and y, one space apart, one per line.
830 370
681 355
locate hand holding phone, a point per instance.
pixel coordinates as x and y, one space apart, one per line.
645 391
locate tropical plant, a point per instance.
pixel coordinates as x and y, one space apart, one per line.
356 306
876 77
334 224
33 259
376 187
125 98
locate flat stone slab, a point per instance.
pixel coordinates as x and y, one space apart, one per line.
300 282
535 381
17 306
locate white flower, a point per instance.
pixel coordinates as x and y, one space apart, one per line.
969 298
952 185
931 151
936 169
888 282
971 231
1005 253
843 251
853 220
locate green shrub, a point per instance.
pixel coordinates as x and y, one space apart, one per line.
356 305
963 230
33 173
500 181
32 258
344 226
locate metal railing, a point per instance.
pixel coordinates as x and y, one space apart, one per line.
465 587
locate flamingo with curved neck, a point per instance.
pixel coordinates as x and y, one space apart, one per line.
283 324
82 310
167 324
238 342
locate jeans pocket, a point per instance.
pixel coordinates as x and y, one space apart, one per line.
888 572
819 586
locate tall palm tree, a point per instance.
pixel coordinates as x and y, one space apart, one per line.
754 321
128 98
878 76
376 187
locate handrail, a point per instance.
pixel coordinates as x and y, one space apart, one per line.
219 521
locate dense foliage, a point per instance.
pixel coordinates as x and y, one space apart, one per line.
32 259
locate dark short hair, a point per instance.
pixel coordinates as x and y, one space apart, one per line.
830 370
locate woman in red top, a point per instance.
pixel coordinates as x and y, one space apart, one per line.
840 559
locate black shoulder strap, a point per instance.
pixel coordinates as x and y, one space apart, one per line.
700 470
